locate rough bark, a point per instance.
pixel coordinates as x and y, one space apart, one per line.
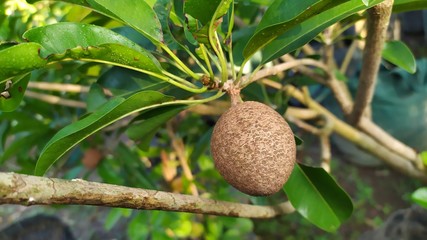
31 190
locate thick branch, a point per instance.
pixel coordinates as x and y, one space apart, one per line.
377 23
31 190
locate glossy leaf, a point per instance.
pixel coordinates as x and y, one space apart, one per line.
400 55
420 197
16 92
114 110
64 41
83 41
409 5
317 197
304 31
136 13
20 59
366 2
274 23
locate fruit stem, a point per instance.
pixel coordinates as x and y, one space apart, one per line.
235 96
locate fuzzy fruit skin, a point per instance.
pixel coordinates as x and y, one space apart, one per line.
253 148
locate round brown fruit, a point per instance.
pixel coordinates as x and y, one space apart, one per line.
253 148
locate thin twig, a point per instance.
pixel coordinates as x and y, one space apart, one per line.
302 113
31 190
179 147
303 125
338 88
59 87
55 99
325 146
280 68
377 23
348 56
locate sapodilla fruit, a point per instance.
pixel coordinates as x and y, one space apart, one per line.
253 148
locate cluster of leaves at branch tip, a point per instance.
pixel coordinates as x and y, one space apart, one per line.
253 148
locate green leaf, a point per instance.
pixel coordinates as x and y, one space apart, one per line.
23 144
163 8
201 146
306 30
274 23
408 5
317 197
132 165
114 216
95 97
423 156
20 59
366 2
150 121
202 10
420 197
138 14
64 41
15 92
298 140
92 43
400 55
114 110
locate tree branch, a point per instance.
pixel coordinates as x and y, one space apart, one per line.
341 94
60 87
377 23
280 68
31 190
338 88
405 164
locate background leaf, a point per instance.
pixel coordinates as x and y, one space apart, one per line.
110 112
420 197
423 156
149 122
408 5
317 197
400 55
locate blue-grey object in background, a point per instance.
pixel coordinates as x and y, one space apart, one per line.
399 106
